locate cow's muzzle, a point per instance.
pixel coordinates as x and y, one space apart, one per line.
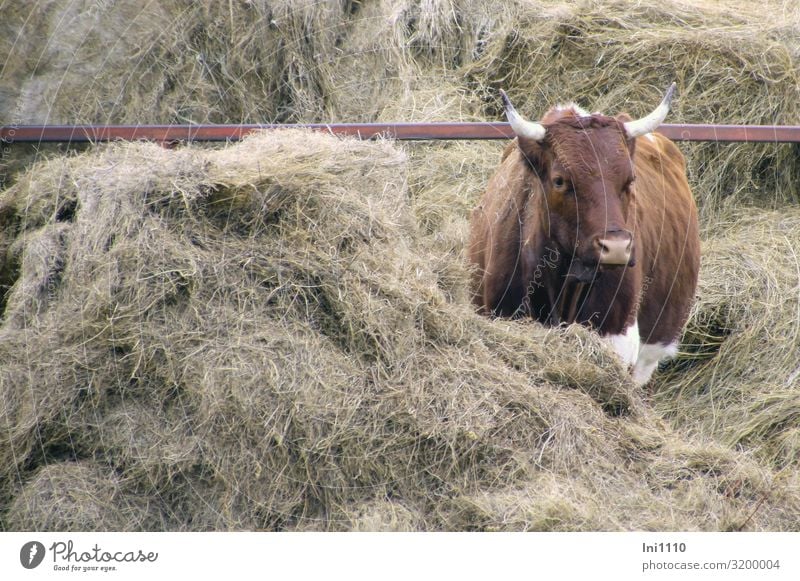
614 249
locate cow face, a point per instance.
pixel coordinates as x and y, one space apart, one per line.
585 168
584 164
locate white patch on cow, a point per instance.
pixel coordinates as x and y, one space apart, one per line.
577 109
651 137
649 356
626 344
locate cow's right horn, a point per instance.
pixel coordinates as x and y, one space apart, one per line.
521 127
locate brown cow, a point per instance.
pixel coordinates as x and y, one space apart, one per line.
590 219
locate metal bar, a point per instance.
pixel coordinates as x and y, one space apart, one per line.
11 134
732 133
95 133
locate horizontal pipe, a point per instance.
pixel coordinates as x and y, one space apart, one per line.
10 134
168 133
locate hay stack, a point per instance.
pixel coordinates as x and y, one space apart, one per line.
294 60
739 379
277 334
261 337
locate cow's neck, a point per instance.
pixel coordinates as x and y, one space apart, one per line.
570 292
556 293
568 305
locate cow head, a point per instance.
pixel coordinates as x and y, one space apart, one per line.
584 164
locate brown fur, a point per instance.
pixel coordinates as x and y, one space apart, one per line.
531 236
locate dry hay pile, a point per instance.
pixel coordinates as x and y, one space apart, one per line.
261 337
739 380
74 61
277 334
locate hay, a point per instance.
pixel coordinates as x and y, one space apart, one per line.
295 60
739 377
262 337
277 334
212 277
80 496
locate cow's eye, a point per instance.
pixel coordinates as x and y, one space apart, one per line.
559 182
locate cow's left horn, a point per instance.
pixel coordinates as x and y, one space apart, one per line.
521 127
650 123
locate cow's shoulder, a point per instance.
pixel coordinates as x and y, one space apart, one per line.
656 148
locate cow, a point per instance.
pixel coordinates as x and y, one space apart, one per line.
590 219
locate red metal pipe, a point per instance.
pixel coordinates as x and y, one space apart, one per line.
95 133
11 134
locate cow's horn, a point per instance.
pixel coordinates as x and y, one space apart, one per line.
650 123
521 127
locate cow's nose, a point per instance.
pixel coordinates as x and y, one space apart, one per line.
614 251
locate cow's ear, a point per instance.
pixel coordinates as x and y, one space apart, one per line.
533 154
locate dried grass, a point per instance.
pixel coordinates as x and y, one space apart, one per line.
260 337
277 334
298 60
739 378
